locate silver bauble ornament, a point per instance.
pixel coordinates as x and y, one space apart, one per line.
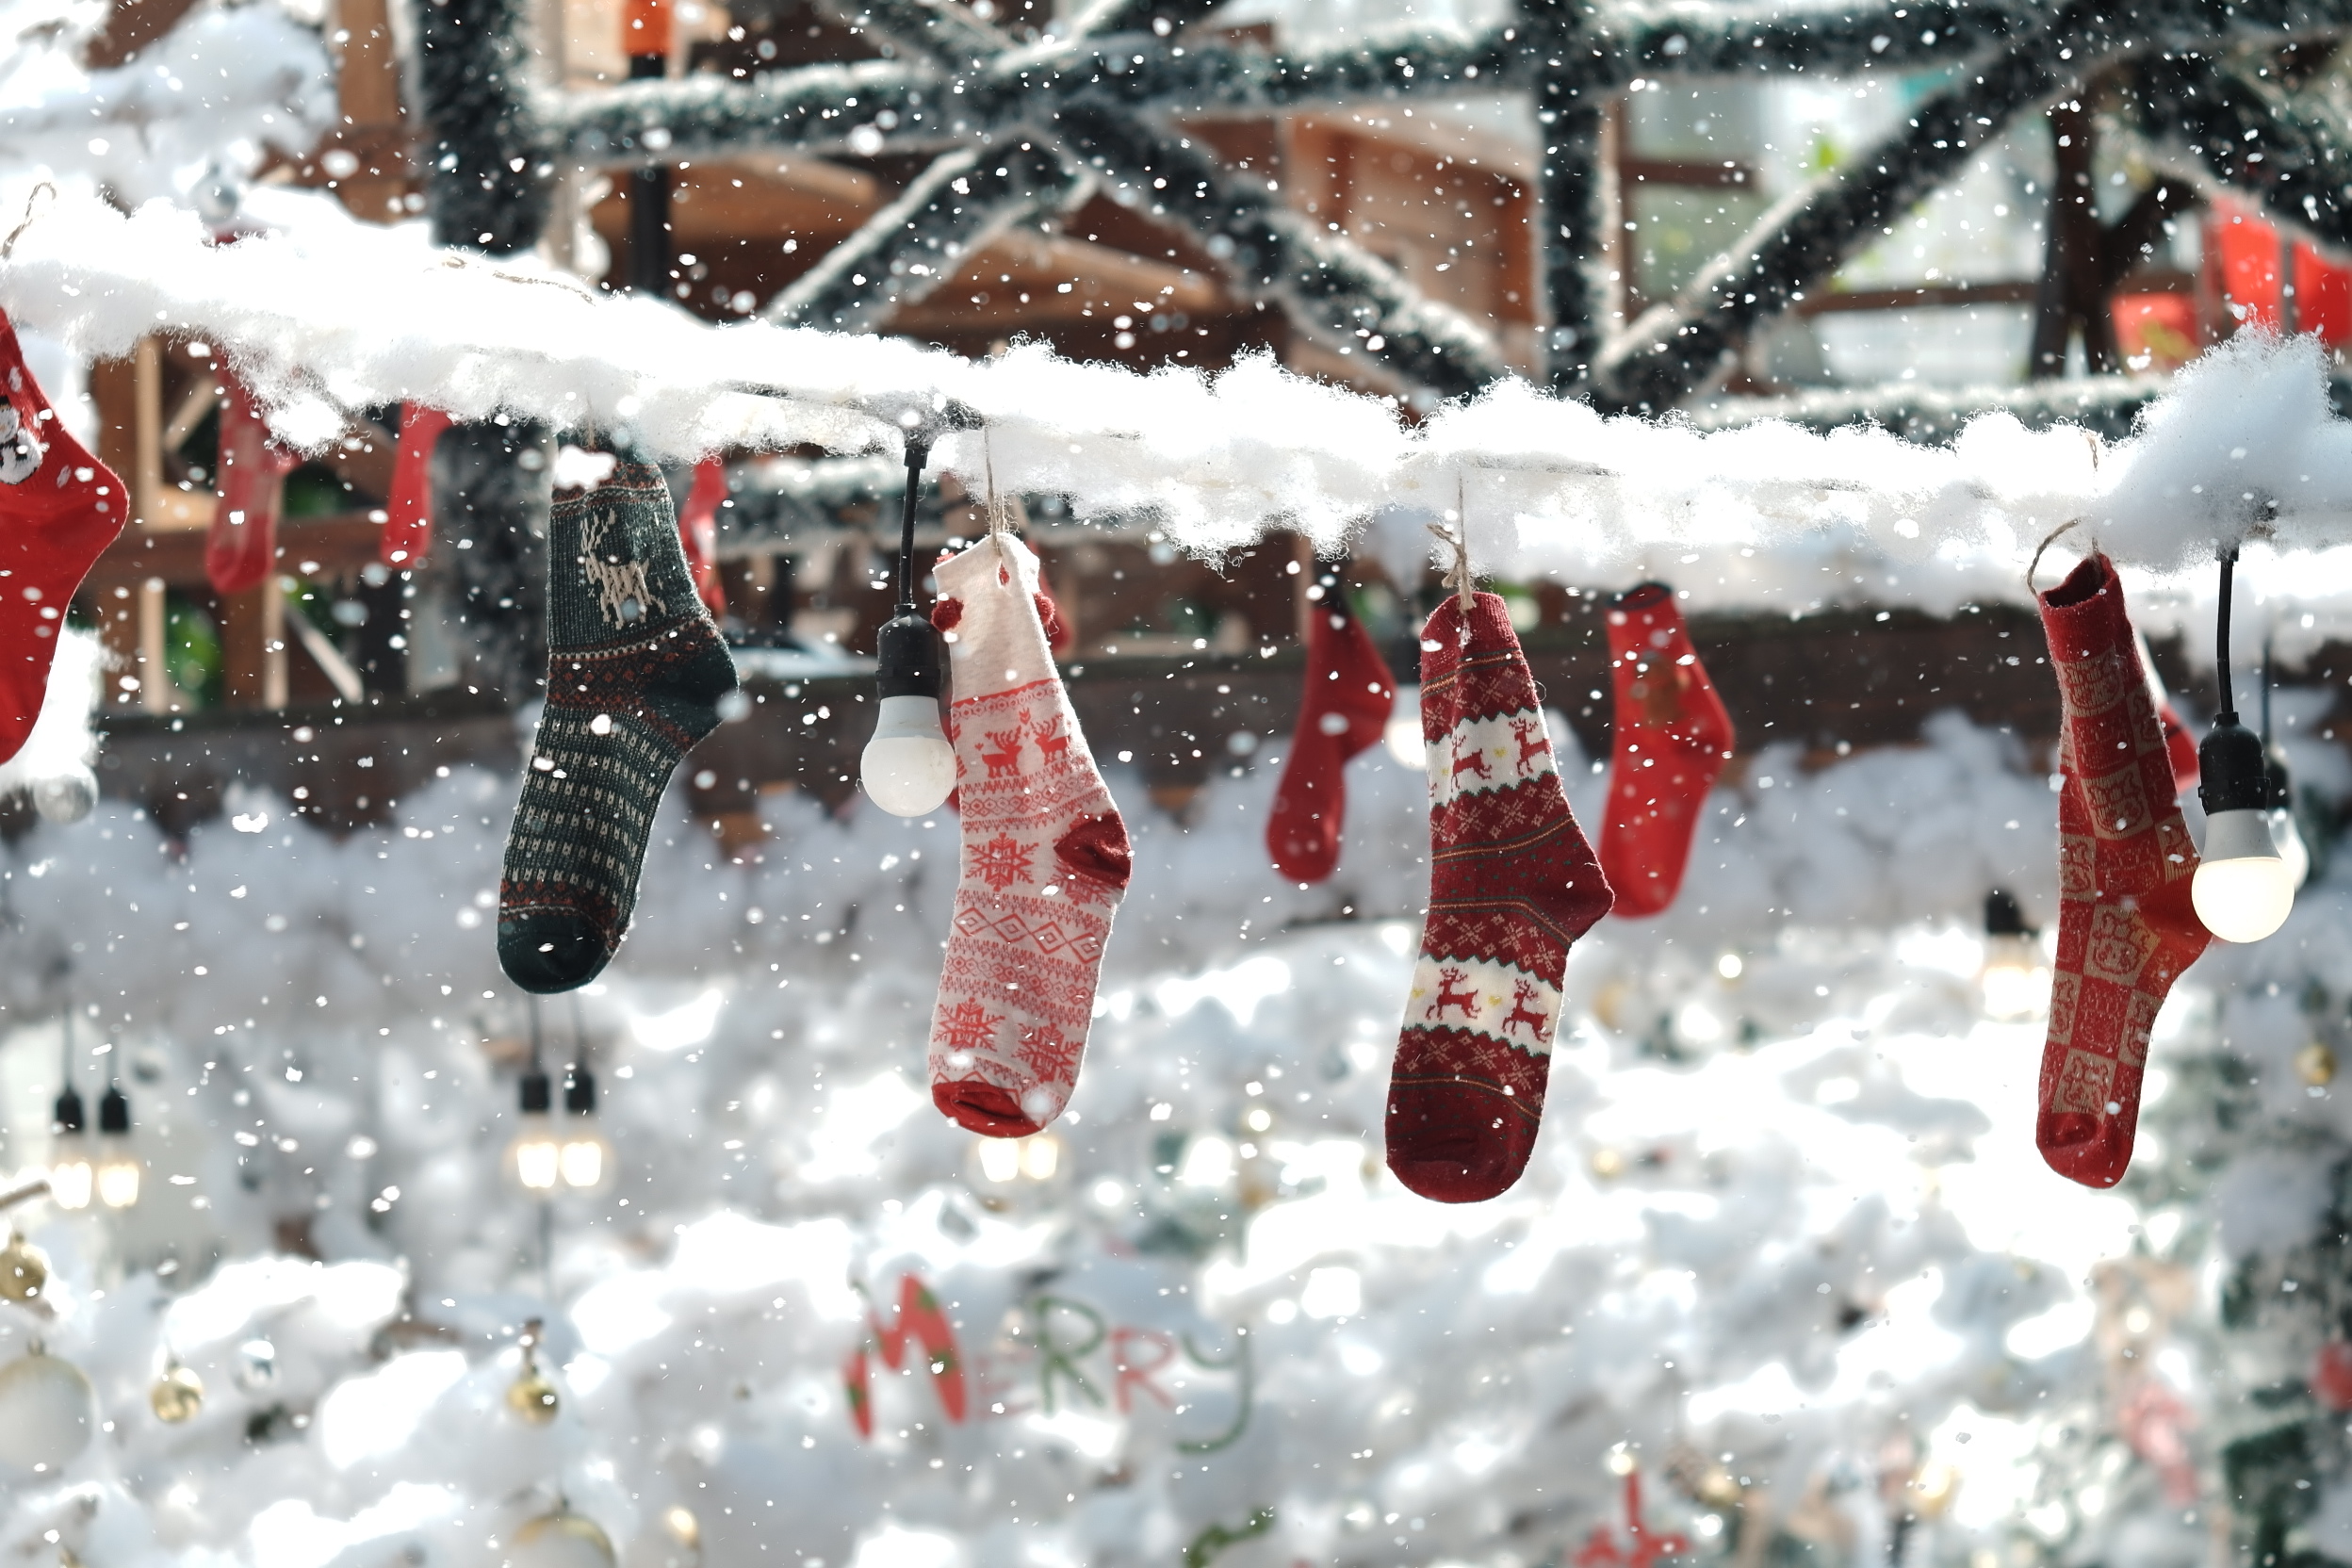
65 798
47 1411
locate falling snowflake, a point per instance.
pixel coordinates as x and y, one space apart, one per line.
1001 862
1044 1051
969 1026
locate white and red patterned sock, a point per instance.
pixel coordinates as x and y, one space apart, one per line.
1045 858
1513 883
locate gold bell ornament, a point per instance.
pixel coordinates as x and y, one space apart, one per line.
178 1395
47 1411
23 1270
533 1396
561 1540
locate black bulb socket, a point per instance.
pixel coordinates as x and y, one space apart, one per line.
2231 771
538 1093
2003 915
114 1112
70 1115
911 657
579 1091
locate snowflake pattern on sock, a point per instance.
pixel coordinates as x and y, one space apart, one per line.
1044 860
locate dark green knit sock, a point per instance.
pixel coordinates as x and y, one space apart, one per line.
635 672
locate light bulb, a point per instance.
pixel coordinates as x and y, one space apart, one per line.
1402 733
71 1174
71 1179
118 1171
118 1179
2242 890
534 1156
909 767
586 1157
2016 980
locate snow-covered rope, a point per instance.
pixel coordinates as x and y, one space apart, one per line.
334 315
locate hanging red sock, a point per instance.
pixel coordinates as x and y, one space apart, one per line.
243 544
1512 884
1345 707
698 531
2180 745
2125 926
1671 741
59 509
408 510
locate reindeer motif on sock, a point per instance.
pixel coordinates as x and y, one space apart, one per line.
619 579
1533 742
1451 992
1523 993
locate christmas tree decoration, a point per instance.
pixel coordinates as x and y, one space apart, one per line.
1512 884
59 509
2315 1063
65 798
2243 889
256 1365
1672 740
177 1395
407 536
909 768
48 1411
2015 976
118 1167
533 1394
698 532
2125 931
242 547
561 1540
635 673
1045 860
1345 709
24 1269
2331 1376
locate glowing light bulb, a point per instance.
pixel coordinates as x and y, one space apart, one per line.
2015 978
585 1160
72 1176
909 767
1402 733
2242 890
534 1156
119 1167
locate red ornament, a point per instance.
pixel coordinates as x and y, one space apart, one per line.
2331 1376
1600 1548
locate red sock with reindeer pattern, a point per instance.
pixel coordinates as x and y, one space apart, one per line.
1513 883
1045 858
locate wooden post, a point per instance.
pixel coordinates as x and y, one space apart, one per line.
154 665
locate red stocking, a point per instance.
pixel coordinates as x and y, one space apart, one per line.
408 510
59 509
2125 926
1348 699
243 544
698 530
1673 739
